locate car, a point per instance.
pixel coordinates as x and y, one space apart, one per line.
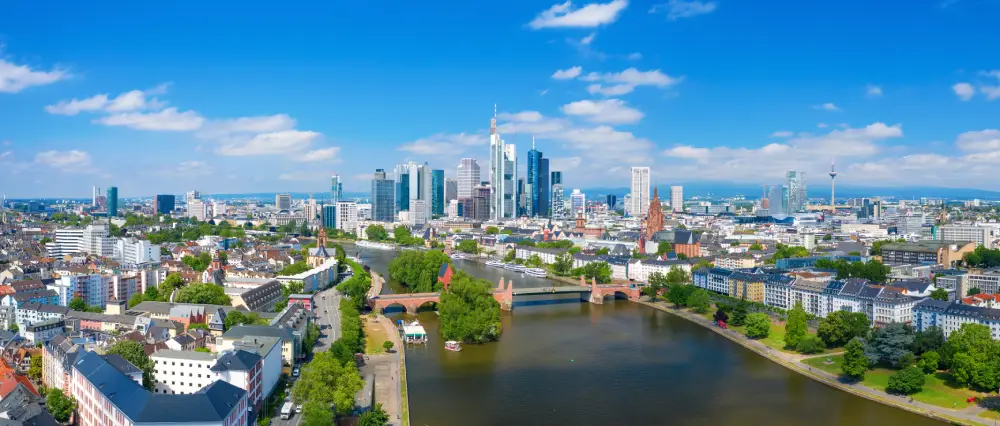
298 408
295 372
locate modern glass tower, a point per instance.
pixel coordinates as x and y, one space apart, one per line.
336 189
330 216
164 203
558 202
796 191
112 201
402 192
437 192
538 182
468 174
383 197
503 175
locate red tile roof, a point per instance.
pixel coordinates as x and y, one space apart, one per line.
9 380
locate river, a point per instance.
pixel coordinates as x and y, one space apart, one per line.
614 364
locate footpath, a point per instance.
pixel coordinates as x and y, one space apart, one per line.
968 416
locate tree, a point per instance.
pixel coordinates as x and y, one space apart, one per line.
795 328
492 230
603 251
563 265
827 237
468 311
204 293
374 417
663 247
203 350
678 294
657 282
401 235
77 304
906 381
171 283
197 326
975 356
323 382
133 352
387 345
534 261
809 344
199 263
35 368
44 241
376 233
740 313
468 246
294 269
701 264
929 340
13 327
973 291
698 300
60 405
677 276
840 327
855 362
756 246
929 362
600 271
682 256
136 299
509 257
758 326
888 345
418 270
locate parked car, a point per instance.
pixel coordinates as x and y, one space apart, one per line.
298 408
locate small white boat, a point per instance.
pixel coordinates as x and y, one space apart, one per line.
457 256
453 346
510 266
494 264
537 272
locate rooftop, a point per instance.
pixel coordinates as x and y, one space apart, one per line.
185 355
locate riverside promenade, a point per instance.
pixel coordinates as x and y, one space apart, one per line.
968 416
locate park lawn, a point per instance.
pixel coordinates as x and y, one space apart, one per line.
990 414
937 389
374 337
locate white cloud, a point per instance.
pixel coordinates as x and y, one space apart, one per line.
133 100
687 151
63 160
6 154
822 125
991 92
75 106
15 78
529 116
588 39
782 134
228 129
323 154
611 111
873 91
454 143
964 91
615 90
567 74
678 9
634 77
591 15
979 141
274 143
166 120
829 106
634 56
193 168
565 164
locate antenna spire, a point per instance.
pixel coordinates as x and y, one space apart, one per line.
532 140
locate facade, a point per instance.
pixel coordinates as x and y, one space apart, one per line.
347 216
164 204
655 219
186 372
133 251
402 189
557 193
283 202
468 177
44 331
112 201
735 262
413 182
261 298
640 192
547 256
538 183
612 201
503 176
197 209
796 191
437 192
641 269
677 198
950 316
450 191
329 216
336 189
980 235
578 202
92 288
58 355
478 208
939 252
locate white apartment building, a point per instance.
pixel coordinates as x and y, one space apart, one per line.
452 209
950 316
364 211
133 251
468 177
677 198
417 213
97 240
92 288
197 209
981 235
548 256
67 241
182 372
641 269
347 215
640 192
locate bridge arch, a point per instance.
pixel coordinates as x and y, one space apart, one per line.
395 307
429 305
620 295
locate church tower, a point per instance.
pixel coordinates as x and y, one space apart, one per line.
655 219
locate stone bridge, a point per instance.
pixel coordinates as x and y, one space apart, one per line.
599 291
503 294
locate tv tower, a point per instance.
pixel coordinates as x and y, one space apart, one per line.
833 177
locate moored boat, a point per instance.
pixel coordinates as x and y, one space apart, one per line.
536 272
494 263
519 268
453 346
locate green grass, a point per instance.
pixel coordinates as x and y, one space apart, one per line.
938 390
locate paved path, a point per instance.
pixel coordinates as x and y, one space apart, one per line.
327 317
388 386
792 361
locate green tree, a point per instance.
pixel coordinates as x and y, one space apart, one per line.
677 276
468 246
401 235
699 301
77 304
357 287
323 382
827 237
974 362
740 313
756 246
135 300
906 381
171 283
234 318
563 265
809 345
387 345
758 326
534 261
795 328
44 241
418 270
657 282
929 362
13 327
197 326
855 362
889 345
940 294
35 368
59 405
203 350
682 256
294 269
376 233
841 327
678 294
600 271
701 264
663 247
928 340
509 257
199 263
206 293
492 230
133 352
468 311
973 291
374 417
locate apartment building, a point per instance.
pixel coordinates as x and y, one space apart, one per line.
979 235
950 316
946 253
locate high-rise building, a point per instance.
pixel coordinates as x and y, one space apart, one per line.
453 210
640 192
437 192
538 182
329 216
468 177
558 202
164 203
416 185
347 216
310 209
197 209
383 197
796 191
97 191
336 188
450 190
112 201
578 202
283 201
503 175
522 199
612 201
402 191
477 207
192 195
677 198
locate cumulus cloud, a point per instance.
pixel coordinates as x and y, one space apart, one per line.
63 159
323 154
829 106
133 100
964 91
979 141
610 111
615 90
453 143
15 78
567 74
782 134
275 143
873 91
626 81
169 119
679 9
591 15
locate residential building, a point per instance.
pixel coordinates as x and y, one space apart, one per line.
677 198
164 204
736 262
547 255
112 201
383 197
947 253
44 331
640 269
347 216
979 235
92 288
67 241
43 297
187 372
468 177
291 348
58 355
261 298
951 316
97 240
640 192
133 251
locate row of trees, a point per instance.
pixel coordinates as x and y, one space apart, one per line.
418 269
468 311
983 257
326 386
194 232
600 271
659 281
356 288
401 235
871 270
968 352
783 251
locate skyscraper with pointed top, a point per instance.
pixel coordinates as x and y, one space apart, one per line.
503 175
537 183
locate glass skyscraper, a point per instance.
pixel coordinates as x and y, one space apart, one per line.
537 183
112 201
403 192
437 192
330 216
164 203
558 203
336 188
796 192
383 197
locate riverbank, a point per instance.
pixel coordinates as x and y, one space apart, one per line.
792 362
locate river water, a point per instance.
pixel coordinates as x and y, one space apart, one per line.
614 364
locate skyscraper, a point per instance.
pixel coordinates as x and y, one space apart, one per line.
402 191
437 192
612 200
796 191
578 201
640 192
468 177
192 195
413 182
283 201
558 201
336 189
503 174
522 200
112 201
450 190
329 216
677 198
383 197
164 203
544 189
96 192
537 182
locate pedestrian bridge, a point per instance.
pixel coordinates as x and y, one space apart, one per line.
508 296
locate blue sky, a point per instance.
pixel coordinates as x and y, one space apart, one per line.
250 96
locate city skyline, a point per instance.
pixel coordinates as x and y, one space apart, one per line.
600 101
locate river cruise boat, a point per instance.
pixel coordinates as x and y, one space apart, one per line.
412 332
457 256
453 346
494 264
375 245
519 268
510 266
536 272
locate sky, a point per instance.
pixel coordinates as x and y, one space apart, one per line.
238 97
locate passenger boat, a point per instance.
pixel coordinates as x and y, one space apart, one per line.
494 264
457 256
453 346
519 268
536 272
510 266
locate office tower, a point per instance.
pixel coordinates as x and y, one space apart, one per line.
833 176
418 212
164 204
336 188
558 201
310 209
283 201
796 191
347 216
578 202
522 200
450 190
329 216
537 183
640 192
112 201
437 192
477 207
219 208
383 197
453 210
197 209
468 177
96 191
402 192
503 175
677 198
416 186
612 201
544 189
191 196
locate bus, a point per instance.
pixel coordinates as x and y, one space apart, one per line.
286 410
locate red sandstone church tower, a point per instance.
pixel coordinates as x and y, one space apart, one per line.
655 220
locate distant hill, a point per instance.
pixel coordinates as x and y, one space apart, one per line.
706 189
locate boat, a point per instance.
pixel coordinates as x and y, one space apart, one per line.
457 256
519 268
536 272
494 263
453 346
375 245
510 266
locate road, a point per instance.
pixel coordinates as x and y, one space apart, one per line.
385 367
